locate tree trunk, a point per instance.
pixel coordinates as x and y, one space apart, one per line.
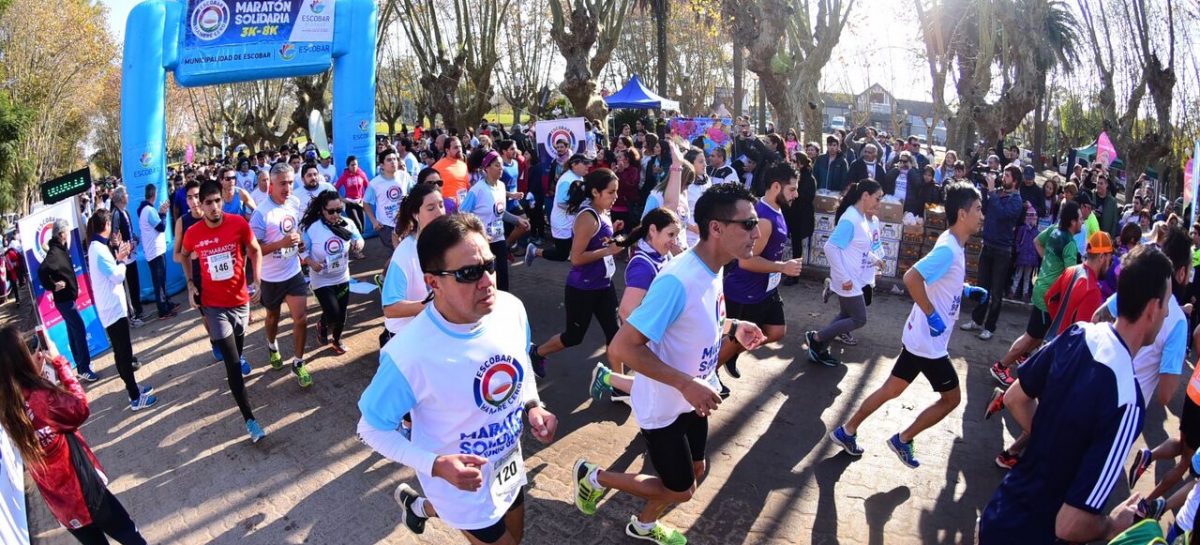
1039 128
739 76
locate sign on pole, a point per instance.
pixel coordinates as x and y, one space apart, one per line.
36 231
65 187
552 130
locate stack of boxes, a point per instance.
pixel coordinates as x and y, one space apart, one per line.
890 214
918 240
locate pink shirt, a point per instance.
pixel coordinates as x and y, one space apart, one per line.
353 183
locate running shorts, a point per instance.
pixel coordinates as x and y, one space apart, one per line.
225 321
939 372
493 533
769 311
1039 323
274 293
675 448
1189 423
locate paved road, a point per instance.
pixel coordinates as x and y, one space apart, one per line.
189 475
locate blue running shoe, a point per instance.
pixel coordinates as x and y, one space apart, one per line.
144 402
600 381
217 353
256 431
89 376
245 367
147 389
530 254
905 451
849 443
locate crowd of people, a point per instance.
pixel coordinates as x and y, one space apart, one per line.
708 239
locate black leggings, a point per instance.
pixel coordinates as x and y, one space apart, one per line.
561 251
115 522
118 335
334 300
581 306
231 352
354 211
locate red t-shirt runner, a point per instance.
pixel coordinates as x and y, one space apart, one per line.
222 260
1085 297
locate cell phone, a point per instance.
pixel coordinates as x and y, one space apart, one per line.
618 239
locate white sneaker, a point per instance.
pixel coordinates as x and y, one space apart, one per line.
970 325
985 335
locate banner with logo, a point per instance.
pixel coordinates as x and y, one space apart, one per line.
715 132
36 230
223 36
553 130
1191 177
14 519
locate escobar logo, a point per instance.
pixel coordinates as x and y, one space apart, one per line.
333 246
209 19
497 383
393 193
44 233
317 6
287 224
287 51
147 158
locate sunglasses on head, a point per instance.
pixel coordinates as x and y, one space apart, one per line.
471 273
748 224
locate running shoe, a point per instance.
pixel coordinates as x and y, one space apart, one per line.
847 339
970 325
145 401
825 291
136 323
586 495
406 496
147 389
818 352
245 367
905 451
1001 374
660 534
217 353
274 359
302 375
530 254
538 361
600 381
731 368
89 376
337 347
995 404
849 443
1006 459
1152 509
256 431
725 391
170 314
322 333
985 335
1141 462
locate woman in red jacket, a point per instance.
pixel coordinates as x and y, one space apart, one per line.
43 420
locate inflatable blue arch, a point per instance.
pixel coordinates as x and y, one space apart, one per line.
207 42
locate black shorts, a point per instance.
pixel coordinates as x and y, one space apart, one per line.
1039 323
769 311
274 293
1189 424
675 448
493 533
939 372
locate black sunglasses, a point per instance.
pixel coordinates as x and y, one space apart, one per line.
471 273
231 177
747 224
334 210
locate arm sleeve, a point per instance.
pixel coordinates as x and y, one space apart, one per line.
1104 460
258 225
842 235
663 304
369 195
1111 305
1174 350
155 220
468 202
395 284
109 267
935 264
307 241
65 411
383 405
1036 369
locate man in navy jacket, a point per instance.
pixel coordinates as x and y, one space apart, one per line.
1002 211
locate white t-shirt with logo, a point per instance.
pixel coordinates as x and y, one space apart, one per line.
682 315
271 222
849 252
259 197
154 242
247 180
694 191
944 269
902 184
331 252
304 195
562 222
404 281
329 172
466 390
487 202
385 195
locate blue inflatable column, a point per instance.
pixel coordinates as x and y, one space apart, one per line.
354 83
151 45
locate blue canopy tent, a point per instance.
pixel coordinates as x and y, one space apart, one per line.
636 96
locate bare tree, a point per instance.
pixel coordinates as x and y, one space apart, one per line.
524 71
586 36
257 113
788 43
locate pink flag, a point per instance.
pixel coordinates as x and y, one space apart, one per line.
1105 152
190 153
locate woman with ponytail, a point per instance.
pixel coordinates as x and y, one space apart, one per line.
672 192
404 290
851 266
331 240
653 243
43 415
589 289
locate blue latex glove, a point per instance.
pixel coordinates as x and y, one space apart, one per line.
1196 464
936 325
970 292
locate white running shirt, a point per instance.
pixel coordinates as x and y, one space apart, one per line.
270 223
385 194
944 269
331 252
404 281
849 252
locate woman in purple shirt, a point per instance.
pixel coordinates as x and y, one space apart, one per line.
589 289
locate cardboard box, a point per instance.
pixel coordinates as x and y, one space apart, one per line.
889 231
826 203
911 251
891 212
889 268
891 249
823 223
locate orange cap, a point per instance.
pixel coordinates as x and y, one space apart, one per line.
1099 243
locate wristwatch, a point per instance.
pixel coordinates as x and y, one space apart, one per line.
733 327
529 405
